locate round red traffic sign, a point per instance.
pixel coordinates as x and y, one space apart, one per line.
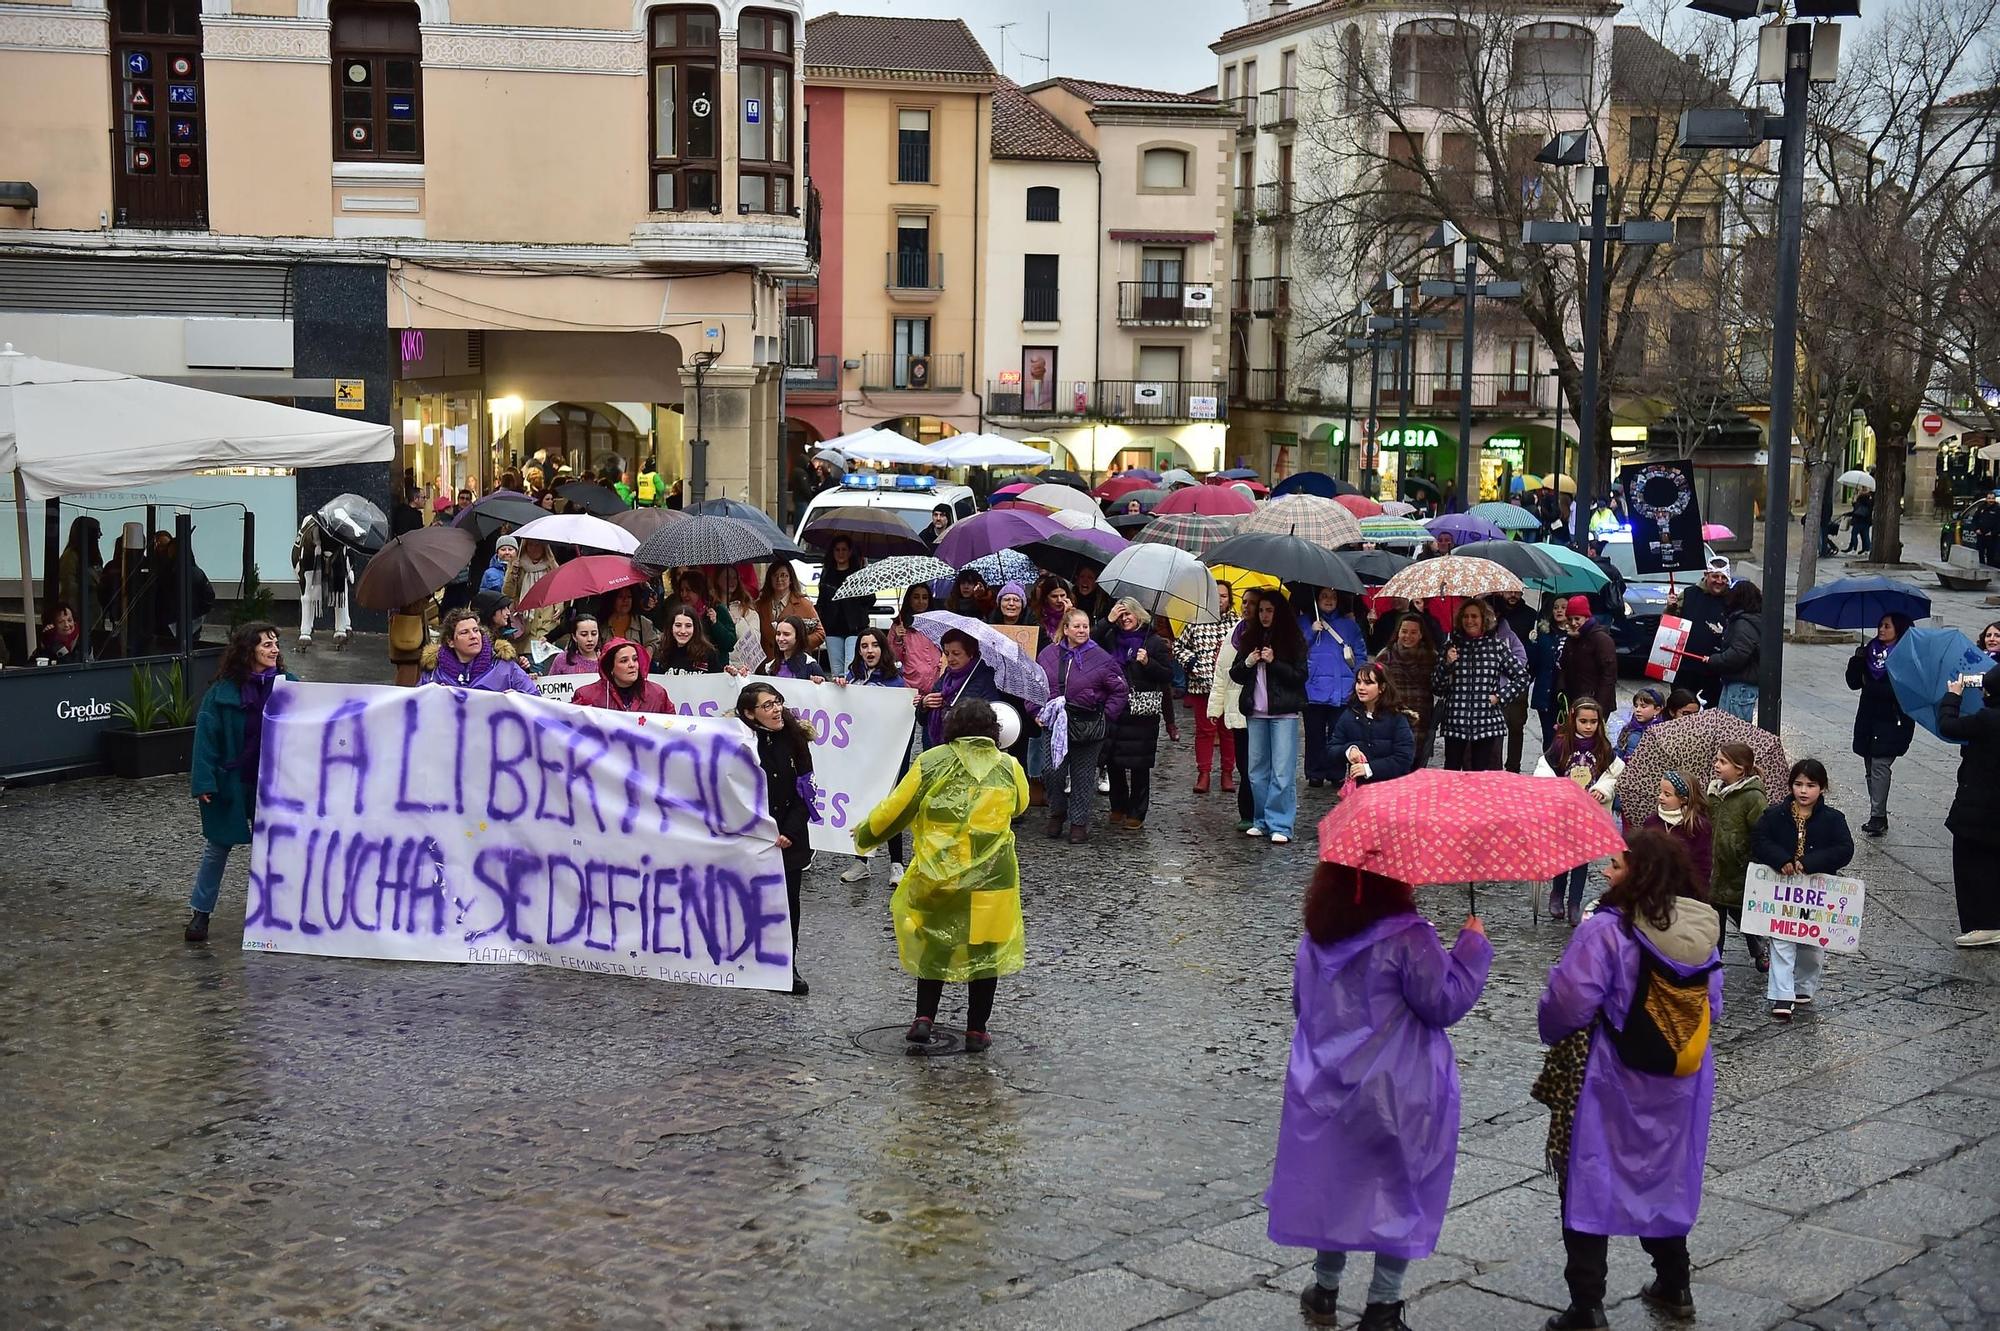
1933 423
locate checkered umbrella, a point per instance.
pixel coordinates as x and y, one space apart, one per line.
1688 746
1451 575
1196 533
888 574
1321 521
703 540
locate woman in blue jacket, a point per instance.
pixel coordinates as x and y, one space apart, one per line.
1372 740
1334 647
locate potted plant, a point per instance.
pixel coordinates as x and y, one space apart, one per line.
160 717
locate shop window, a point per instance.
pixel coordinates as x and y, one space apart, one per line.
684 46
160 114
764 79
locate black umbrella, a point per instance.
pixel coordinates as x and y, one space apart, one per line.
1373 567
874 532
1286 558
1069 478
1131 522
413 566
594 499
703 540
502 508
643 522
1065 551
1526 562
1422 483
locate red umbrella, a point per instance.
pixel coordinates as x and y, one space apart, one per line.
1434 826
1124 483
1361 506
1215 501
591 575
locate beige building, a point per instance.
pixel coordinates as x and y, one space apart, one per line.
515 228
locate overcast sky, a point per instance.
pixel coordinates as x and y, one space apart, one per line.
1151 43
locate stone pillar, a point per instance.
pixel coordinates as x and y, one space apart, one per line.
737 413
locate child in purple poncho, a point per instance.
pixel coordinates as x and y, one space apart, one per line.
1368 1139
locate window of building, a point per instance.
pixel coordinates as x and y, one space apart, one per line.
1643 138
160 176
764 89
1039 280
1351 74
1552 66
1044 203
1249 92
1690 246
913 147
913 253
687 95
913 353
1432 61
378 95
1164 168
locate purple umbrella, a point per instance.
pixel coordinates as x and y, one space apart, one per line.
1464 527
989 533
1014 671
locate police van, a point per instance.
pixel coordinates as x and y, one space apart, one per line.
910 498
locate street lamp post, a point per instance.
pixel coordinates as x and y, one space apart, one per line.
1374 346
1786 54
703 362
1465 259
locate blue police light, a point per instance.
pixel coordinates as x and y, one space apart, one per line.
874 480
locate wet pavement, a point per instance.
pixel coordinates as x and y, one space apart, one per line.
206 1138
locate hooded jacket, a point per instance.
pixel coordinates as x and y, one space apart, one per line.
494 670
1640 1141
1368 1137
1334 647
651 697
1589 667
1742 639
1732 817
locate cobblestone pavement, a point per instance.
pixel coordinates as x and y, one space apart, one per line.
205 1138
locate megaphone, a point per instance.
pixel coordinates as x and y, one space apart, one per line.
1010 724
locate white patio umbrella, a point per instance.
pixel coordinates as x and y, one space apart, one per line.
1051 496
73 429
987 450
579 529
875 444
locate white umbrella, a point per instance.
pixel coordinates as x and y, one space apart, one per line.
875 444
579 529
74 429
1396 508
987 450
1178 476
1077 520
1165 580
1051 496
1990 453
1861 480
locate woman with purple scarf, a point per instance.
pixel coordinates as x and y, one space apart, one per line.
228 740
1092 687
1881 729
965 676
466 658
1133 741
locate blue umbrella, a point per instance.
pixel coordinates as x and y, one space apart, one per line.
1860 603
1507 517
1923 661
1315 483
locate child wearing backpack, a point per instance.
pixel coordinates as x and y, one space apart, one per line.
1639 987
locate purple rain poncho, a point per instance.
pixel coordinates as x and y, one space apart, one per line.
1640 1141
1368 1139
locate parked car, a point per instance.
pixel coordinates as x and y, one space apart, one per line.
911 498
1956 528
1636 619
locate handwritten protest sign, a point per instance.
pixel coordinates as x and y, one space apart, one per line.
438 824
859 737
1819 908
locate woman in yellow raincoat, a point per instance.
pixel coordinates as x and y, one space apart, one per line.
958 908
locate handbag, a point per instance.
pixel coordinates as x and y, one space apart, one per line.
1086 725
1145 704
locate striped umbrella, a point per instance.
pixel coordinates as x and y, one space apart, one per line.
1196 533
1507 517
1394 531
1321 521
703 540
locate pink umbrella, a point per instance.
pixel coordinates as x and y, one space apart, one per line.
592 575
1214 500
1361 506
1124 483
1715 531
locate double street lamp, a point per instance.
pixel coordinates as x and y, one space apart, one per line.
1468 288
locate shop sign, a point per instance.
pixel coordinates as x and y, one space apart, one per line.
1419 437
350 395
1010 378
1506 443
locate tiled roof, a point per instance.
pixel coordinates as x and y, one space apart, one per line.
879 41
1022 129
1645 73
1310 13
1977 97
1093 91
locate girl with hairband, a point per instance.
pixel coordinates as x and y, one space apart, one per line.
1682 813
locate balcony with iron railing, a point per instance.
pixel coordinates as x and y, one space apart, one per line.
1239 298
1260 386
932 372
1278 108
1245 107
1504 391
914 274
1161 303
1244 206
1026 399
1271 296
1041 305
1274 202
1161 401
819 374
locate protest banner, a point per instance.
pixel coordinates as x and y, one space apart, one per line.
859 737
1666 517
1669 646
1819 908
441 824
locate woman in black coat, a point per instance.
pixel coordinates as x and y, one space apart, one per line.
1974 819
1881 730
1370 736
784 751
1132 745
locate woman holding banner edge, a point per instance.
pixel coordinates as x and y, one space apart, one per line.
228 740
784 751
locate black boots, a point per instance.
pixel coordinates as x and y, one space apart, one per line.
1578 1319
1676 1300
197 927
1383 1317
1316 1304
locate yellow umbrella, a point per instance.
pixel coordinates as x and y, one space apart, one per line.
1241 580
1530 482
1559 481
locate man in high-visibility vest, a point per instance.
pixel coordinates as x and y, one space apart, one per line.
650 488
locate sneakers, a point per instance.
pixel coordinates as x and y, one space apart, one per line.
860 870
977 1042
1253 830
1978 938
1677 1301
1316 1304
1280 839
1383 1317
1781 1012
197 927
1104 783
919 1032
895 874
1578 1319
